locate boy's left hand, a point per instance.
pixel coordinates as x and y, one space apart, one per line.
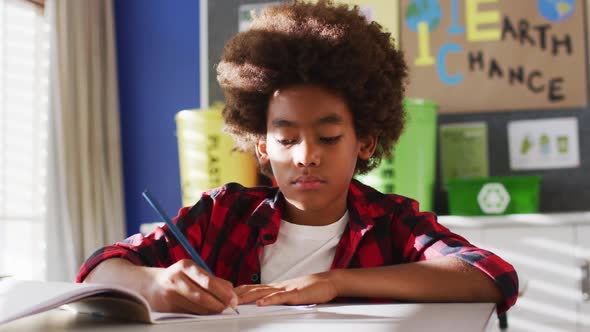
315 288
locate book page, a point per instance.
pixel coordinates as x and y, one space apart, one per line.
20 298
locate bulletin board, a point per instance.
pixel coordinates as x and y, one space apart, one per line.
562 189
464 54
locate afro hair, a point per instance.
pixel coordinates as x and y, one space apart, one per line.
324 44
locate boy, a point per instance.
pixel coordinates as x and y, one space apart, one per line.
315 90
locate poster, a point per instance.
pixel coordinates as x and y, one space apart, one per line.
475 56
464 150
544 144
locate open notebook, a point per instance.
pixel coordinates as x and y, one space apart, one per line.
20 298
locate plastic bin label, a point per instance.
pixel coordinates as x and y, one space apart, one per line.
493 198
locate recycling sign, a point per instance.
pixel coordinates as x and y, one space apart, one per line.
493 198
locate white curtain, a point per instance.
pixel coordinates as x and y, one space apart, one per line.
85 193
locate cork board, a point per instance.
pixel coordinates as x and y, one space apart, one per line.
478 56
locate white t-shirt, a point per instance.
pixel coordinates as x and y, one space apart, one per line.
300 250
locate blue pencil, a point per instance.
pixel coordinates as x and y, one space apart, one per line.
176 232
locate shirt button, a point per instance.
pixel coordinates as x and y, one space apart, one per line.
254 277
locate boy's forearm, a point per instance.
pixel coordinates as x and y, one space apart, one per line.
437 280
120 272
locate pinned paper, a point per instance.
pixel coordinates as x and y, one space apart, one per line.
544 144
247 12
464 150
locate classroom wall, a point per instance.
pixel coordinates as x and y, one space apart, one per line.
158 59
158 54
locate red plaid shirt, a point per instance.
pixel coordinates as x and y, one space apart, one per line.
230 225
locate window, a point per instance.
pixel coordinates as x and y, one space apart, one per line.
24 70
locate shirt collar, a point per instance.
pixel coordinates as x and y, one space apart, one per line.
267 217
361 203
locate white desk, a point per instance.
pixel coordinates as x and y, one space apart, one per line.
551 254
440 317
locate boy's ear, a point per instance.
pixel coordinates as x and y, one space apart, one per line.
368 146
261 153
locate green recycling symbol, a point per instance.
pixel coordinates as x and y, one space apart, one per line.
493 198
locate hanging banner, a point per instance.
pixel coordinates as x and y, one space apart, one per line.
474 56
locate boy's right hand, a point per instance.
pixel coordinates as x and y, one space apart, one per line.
181 287
185 287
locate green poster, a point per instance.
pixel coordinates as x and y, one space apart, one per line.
464 150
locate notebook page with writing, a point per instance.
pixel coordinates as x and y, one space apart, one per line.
20 298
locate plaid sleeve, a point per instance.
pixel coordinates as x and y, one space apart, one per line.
427 239
159 248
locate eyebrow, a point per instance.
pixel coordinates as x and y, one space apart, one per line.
329 119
